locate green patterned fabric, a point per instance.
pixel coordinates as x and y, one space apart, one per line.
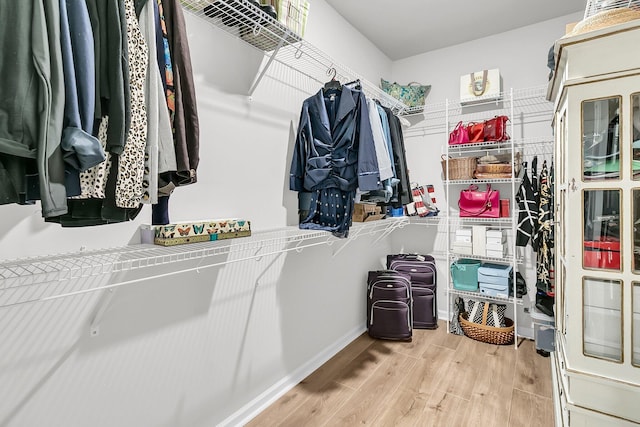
412 95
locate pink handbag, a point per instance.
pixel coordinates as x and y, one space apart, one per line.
484 204
459 135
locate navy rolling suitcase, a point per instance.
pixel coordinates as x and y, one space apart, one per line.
422 270
389 305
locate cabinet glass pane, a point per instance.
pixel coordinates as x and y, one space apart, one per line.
560 300
601 139
560 225
635 137
636 324
636 230
602 316
601 229
561 177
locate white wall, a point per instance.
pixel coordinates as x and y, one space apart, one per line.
194 348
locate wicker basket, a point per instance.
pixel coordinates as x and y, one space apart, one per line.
484 333
459 168
480 175
500 168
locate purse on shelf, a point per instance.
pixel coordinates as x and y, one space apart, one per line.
495 129
459 135
482 204
412 94
476 131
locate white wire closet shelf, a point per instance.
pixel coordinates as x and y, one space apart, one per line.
476 294
51 277
485 181
531 97
241 19
455 219
506 259
502 145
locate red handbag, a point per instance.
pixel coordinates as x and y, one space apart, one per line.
484 204
476 131
459 135
496 129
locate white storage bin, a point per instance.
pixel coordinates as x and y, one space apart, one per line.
543 331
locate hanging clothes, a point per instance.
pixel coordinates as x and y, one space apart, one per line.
401 192
535 185
97 202
129 184
383 157
527 209
166 67
333 155
112 77
185 122
552 207
32 94
382 152
81 150
545 253
160 156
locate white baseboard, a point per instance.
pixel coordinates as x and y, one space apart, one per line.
273 393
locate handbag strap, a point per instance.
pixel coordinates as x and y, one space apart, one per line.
459 125
485 313
484 83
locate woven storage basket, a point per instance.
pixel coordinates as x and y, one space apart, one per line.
459 168
484 333
492 175
494 168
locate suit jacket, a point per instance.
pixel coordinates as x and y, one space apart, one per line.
334 145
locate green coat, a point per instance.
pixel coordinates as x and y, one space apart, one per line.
31 104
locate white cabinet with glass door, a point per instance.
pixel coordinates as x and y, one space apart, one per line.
596 90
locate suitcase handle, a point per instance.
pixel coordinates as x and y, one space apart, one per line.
388 281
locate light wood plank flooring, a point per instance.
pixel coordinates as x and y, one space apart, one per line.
438 379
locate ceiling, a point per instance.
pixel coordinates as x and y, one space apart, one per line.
404 28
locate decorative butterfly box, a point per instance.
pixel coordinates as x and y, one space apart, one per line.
200 231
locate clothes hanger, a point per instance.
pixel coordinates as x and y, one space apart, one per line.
333 83
354 84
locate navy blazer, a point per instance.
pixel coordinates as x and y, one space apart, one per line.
334 145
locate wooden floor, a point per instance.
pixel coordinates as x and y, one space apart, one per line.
438 379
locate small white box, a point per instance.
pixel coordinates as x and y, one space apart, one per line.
496 236
496 247
495 233
492 241
462 248
463 235
479 240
